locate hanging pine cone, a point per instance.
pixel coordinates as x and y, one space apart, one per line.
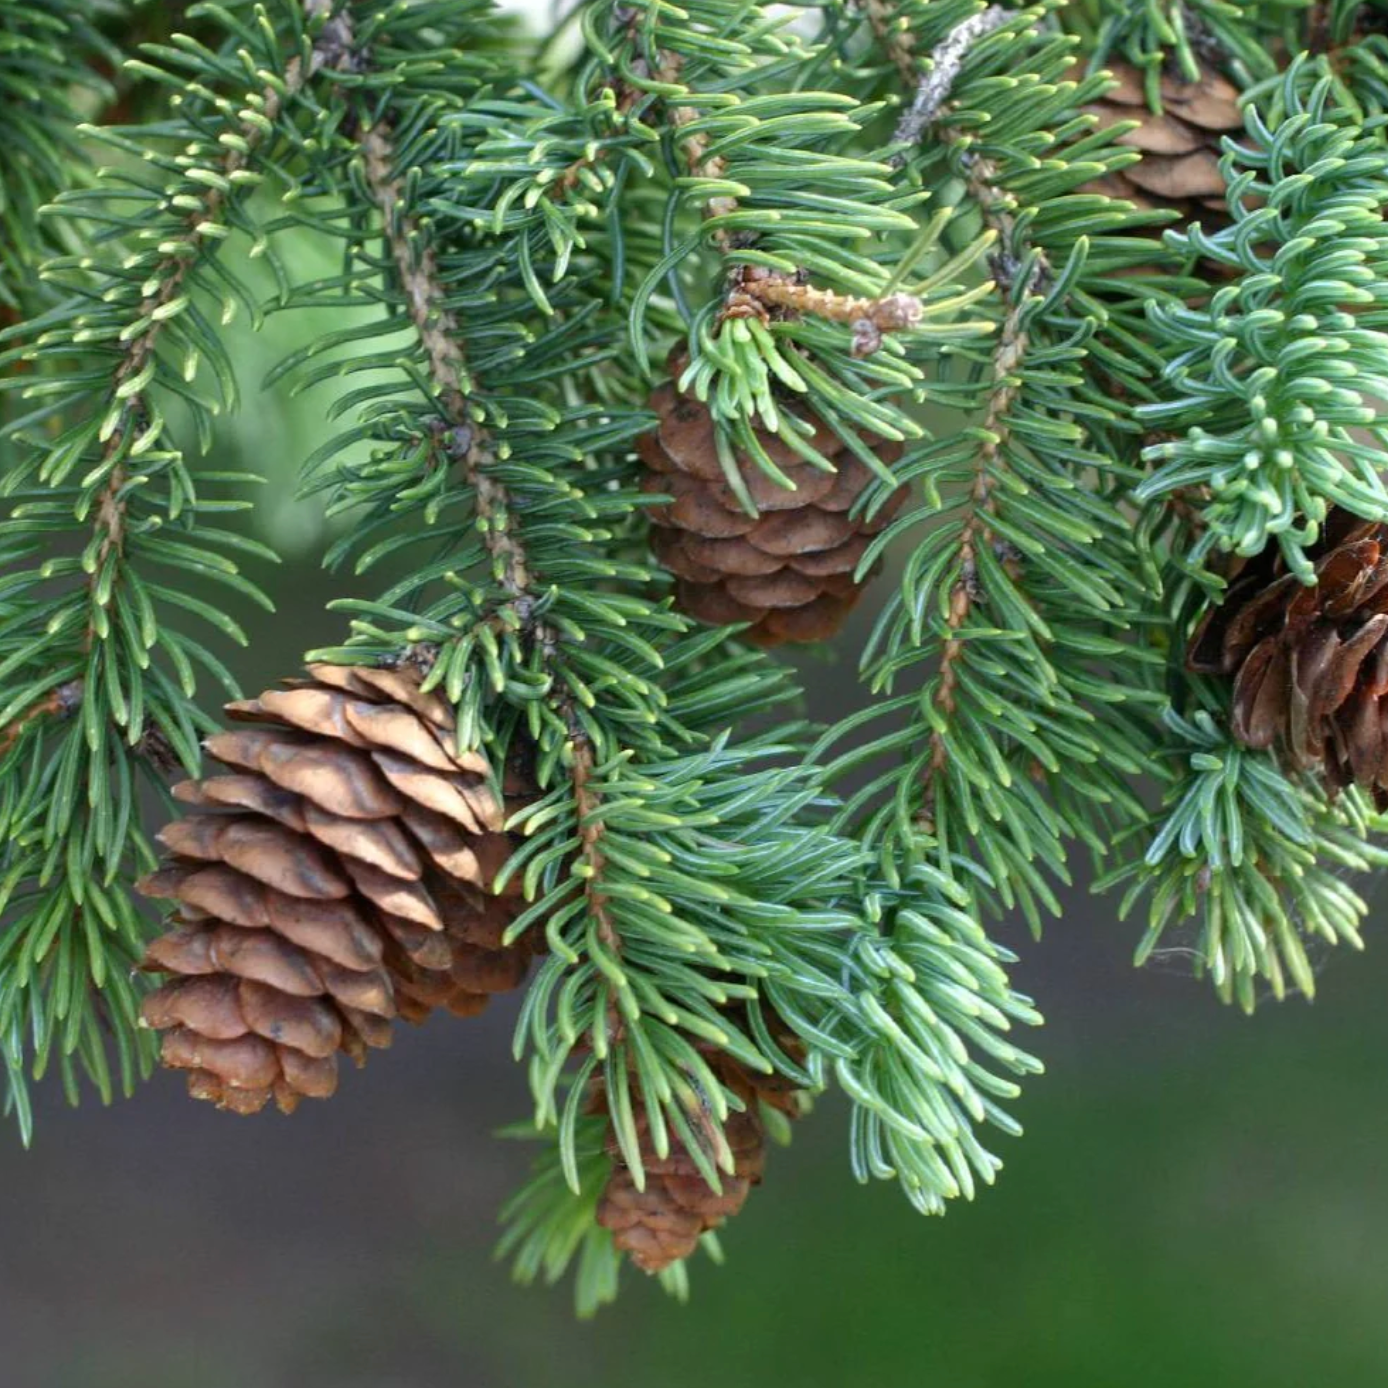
1180 147
338 877
1310 663
788 570
663 1223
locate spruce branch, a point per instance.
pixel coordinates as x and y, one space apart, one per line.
1012 744
1253 859
1007 360
893 260
1271 409
439 334
48 68
106 521
440 338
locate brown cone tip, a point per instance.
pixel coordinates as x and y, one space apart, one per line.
1309 663
338 875
661 1224
789 571
1180 145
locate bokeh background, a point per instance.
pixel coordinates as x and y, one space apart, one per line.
1201 1199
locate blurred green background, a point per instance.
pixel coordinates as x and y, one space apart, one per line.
1200 1199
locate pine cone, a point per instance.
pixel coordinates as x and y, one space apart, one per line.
1180 148
788 570
338 877
663 1223
1310 664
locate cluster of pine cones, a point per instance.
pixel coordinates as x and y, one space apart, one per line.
339 874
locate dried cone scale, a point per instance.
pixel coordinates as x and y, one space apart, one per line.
789 570
663 1223
1180 147
337 875
1310 663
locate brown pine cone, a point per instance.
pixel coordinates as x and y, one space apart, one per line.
663 1223
788 570
339 876
1310 664
1180 147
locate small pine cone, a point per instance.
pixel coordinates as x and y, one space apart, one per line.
788 570
1180 147
1310 663
338 876
663 1223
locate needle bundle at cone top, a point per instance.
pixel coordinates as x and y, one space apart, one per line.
791 569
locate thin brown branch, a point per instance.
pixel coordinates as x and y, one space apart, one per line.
944 65
468 443
170 272
756 289
587 802
59 702
932 90
894 36
416 266
1007 359
626 97
695 149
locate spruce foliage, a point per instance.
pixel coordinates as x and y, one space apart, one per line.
1102 409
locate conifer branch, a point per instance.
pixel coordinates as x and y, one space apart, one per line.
1007 360
470 445
685 872
416 264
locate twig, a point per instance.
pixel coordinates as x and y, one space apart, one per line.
439 334
171 272
758 287
943 67
587 802
695 151
626 97
470 444
945 63
1008 356
896 39
60 702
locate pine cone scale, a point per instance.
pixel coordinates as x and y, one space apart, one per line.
1310 661
1180 145
788 569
